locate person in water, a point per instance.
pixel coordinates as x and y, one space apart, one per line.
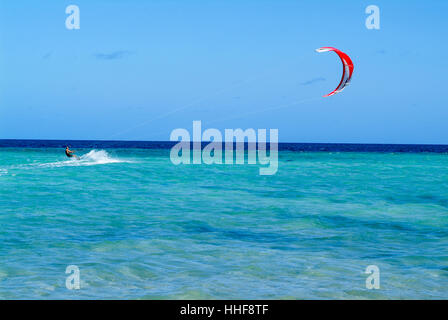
70 153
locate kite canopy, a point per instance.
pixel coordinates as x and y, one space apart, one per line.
347 69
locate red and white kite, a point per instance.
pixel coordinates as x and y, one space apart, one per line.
347 69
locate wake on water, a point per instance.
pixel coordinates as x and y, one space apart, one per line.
97 157
94 157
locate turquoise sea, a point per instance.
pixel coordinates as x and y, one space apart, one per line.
139 227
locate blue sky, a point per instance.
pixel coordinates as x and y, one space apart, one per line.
136 70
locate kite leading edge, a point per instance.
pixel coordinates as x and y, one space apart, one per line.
347 69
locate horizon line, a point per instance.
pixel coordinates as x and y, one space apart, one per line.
267 142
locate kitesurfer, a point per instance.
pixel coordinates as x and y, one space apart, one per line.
70 153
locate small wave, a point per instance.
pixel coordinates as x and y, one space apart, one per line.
3 172
94 157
